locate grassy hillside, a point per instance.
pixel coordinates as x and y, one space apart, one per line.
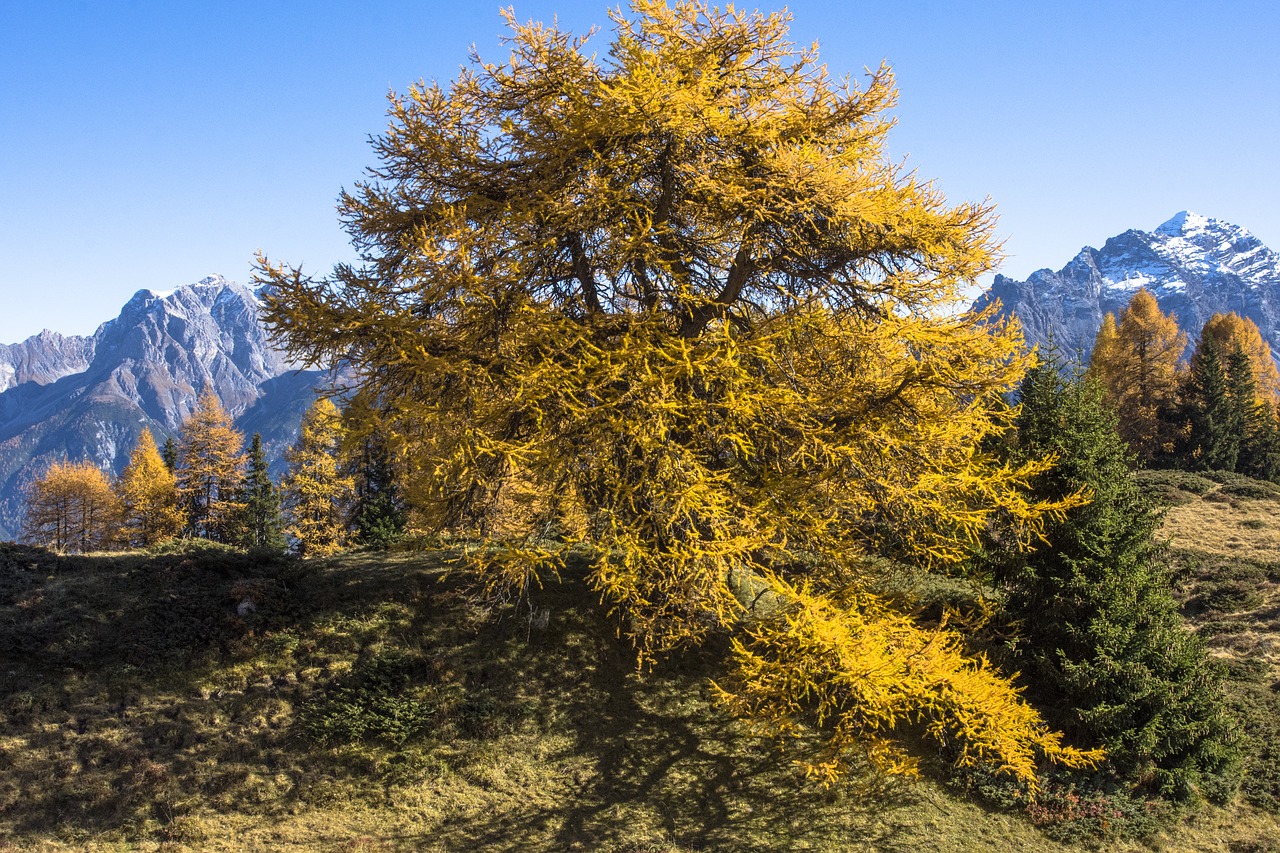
217 701
1224 535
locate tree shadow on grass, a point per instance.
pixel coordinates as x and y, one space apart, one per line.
652 763
105 657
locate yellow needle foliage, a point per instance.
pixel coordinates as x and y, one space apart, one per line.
1136 360
673 307
316 495
148 494
1231 331
211 462
71 509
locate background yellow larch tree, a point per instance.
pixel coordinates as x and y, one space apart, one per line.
675 309
315 493
148 495
210 470
1137 363
1229 331
72 509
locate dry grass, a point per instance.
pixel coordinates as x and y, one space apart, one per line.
1224 533
1226 542
140 713
1244 528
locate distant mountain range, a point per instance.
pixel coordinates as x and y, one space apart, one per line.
89 397
1193 265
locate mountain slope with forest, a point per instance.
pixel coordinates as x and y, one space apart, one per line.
1195 267
89 397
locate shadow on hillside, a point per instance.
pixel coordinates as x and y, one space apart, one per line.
657 747
101 686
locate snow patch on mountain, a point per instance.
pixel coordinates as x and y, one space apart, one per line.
1194 265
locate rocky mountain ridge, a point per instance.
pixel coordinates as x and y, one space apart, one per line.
1195 266
89 397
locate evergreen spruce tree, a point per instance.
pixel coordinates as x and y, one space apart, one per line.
1261 457
1255 417
169 454
260 522
377 513
1101 638
1215 419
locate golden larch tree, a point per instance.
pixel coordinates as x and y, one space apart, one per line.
676 307
1229 332
148 494
1137 363
316 494
211 463
72 509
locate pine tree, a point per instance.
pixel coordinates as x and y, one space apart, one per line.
1216 427
316 495
148 495
170 455
1136 362
377 513
72 509
260 525
1100 635
210 470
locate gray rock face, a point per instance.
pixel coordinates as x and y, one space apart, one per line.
43 358
1194 267
89 398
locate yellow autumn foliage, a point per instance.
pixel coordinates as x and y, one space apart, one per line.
1137 362
315 493
1230 331
148 495
71 509
210 471
674 309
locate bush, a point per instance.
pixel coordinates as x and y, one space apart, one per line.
1072 815
1170 478
376 702
1256 706
1252 490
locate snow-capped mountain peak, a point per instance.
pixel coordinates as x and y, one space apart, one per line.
1194 265
1184 223
88 397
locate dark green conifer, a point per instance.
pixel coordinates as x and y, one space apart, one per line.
1100 635
378 515
1215 418
1258 439
260 522
169 454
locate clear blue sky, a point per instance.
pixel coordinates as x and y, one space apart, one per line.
148 144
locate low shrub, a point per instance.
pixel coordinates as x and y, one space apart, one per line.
1256 705
1173 479
378 701
1226 596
